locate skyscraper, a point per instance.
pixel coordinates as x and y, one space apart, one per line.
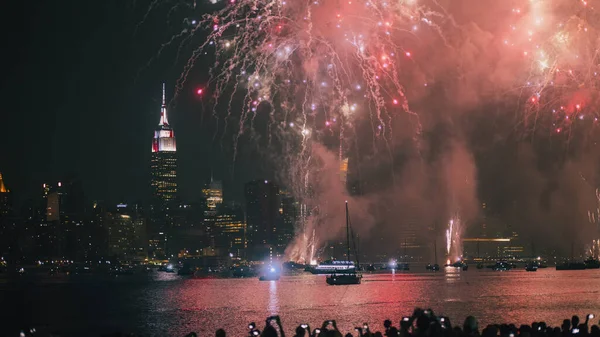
262 215
213 193
231 230
289 213
164 159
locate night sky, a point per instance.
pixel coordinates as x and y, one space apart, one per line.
79 100
81 89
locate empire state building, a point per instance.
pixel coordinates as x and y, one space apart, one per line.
163 164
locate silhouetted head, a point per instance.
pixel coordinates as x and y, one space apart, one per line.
489 331
300 331
422 323
269 331
574 321
392 332
595 331
470 325
220 333
378 334
566 326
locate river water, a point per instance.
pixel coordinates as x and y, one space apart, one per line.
162 304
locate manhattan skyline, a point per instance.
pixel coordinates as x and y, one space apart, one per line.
88 108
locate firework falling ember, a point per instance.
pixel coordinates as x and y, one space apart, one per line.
594 251
449 232
316 65
316 68
559 40
453 240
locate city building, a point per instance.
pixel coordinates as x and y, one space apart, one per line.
120 234
5 199
163 183
65 227
289 214
262 214
231 228
163 165
213 193
188 232
126 228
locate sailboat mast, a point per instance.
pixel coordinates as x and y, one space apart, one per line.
347 233
357 251
435 250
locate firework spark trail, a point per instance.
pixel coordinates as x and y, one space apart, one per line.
267 50
449 233
561 45
340 58
320 67
151 7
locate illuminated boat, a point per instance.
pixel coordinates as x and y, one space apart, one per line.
331 267
270 274
433 267
531 266
502 266
344 279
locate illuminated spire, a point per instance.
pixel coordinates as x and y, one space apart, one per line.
3 188
163 109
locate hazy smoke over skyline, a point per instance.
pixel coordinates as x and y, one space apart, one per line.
439 105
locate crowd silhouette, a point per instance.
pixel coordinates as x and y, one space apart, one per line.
424 323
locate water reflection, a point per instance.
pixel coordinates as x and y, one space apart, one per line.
452 275
163 304
273 298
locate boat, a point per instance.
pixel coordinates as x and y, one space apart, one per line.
270 274
343 279
531 266
502 266
242 271
433 267
333 266
592 263
458 264
185 271
349 275
571 266
293 266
